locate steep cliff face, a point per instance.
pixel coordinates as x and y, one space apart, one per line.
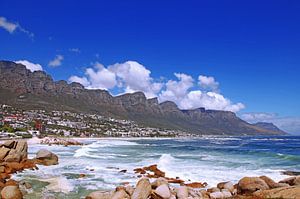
22 88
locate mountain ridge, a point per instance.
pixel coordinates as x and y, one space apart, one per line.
22 88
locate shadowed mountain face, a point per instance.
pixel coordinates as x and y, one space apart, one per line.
22 88
269 126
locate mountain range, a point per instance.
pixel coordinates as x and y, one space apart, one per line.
24 89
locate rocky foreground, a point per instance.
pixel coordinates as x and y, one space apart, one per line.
13 159
153 184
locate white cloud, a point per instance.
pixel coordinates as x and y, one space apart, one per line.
209 100
208 82
82 80
257 117
57 61
8 26
185 97
29 65
129 76
133 77
11 27
97 77
177 90
100 77
288 124
75 50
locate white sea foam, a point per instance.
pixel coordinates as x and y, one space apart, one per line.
108 156
59 184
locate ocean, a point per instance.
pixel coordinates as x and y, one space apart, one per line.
206 159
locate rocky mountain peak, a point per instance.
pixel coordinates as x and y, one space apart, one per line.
40 91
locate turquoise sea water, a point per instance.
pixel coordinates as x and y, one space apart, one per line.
209 159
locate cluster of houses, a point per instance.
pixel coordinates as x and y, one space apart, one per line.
18 123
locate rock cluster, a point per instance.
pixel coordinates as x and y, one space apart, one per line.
153 184
153 172
60 141
14 158
13 151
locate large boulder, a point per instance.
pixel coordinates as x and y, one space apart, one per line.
271 183
120 194
3 152
292 192
142 190
9 144
11 192
251 184
295 180
129 189
22 149
226 185
13 156
159 181
163 191
182 192
100 195
46 157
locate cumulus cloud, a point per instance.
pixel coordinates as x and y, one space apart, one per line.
29 65
288 124
11 27
96 77
129 76
132 76
57 61
185 97
207 82
177 90
82 80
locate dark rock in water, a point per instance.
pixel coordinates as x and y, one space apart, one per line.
291 173
39 90
123 171
46 157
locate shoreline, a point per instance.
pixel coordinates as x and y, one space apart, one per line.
54 184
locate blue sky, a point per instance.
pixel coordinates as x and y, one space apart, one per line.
248 51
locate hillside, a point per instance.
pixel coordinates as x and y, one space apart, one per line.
36 90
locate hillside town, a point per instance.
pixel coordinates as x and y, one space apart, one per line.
17 123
